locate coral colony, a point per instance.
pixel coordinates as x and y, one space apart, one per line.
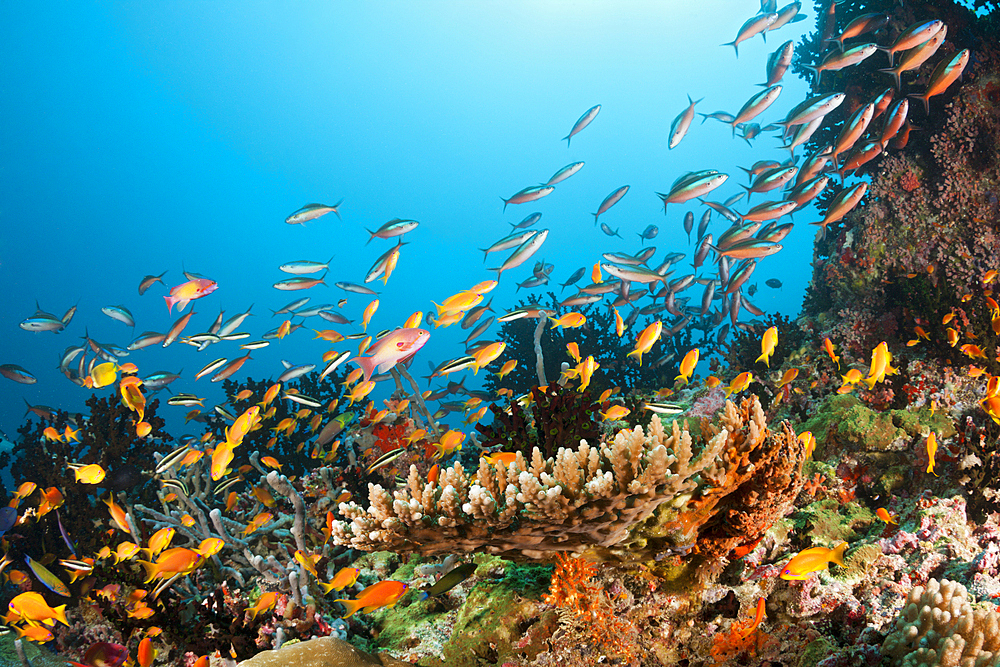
826 495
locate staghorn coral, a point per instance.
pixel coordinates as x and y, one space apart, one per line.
599 499
938 626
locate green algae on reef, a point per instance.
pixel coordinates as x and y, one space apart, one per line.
845 421
487 613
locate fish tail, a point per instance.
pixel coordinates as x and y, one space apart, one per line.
151 570
336 206
61 614
735 46
504 206
595 219
927 104
567 138
837 555
888 52
894 73
170 304
763 358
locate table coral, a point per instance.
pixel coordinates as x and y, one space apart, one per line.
595 497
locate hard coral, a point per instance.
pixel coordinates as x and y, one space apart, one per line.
938 626
599 499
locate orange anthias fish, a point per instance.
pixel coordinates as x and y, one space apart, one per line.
883 514
931 451
570 320
178 560
688 364
758 617
767 344
739 383
881 365
828 346
789 376
812 560
117 514
184 293
263 603
809 440
346 577
991 404
383 594
646 340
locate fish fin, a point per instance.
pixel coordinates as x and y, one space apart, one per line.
336 206
837 555
504 207
895 75
567 139
927 103
888 52
735 46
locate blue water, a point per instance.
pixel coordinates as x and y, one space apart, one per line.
144 137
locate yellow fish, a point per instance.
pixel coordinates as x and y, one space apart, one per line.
102 375
571 320
809 440
367 315
414 320
346 577
586 371
789 376
812 560
739 383
644 343
450 443
619 324
931 451
263 603
767 344
382 594
574 351
487 355
506 368
615 413
159 541
688 365
33 608
505 457
89 474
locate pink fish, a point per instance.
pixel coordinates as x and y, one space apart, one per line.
391 349
189 291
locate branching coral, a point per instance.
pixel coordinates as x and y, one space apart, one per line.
598 498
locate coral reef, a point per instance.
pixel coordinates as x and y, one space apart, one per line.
938 626
596 499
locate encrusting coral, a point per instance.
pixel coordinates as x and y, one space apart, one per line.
594 498
938 626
